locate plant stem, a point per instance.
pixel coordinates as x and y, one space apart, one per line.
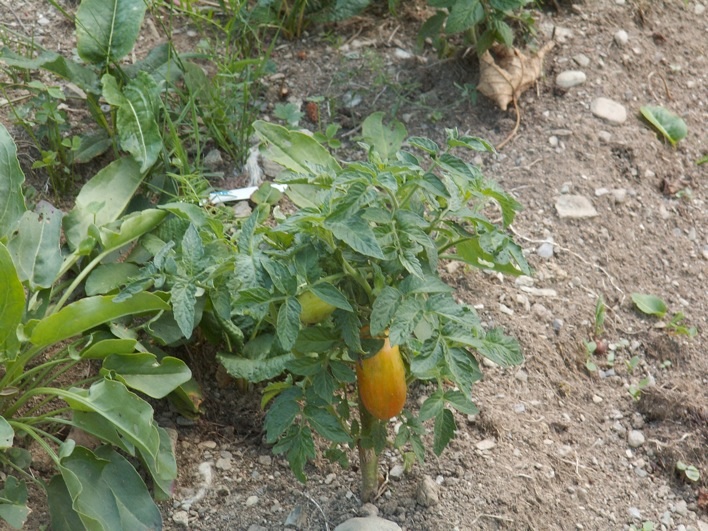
368 459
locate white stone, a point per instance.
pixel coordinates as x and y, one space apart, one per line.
581 59
609 110
619 195
635 438
251 501
540 292
621 38
486 444
370 523
570 78
427 492
575 206
181 518
396 472
699 9
545 250
604 137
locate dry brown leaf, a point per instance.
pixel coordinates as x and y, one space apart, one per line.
506 73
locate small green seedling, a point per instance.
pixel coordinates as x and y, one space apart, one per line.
671 126
653 305
690 472
636 390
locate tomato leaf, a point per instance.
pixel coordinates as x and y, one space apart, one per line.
357 234
288 322
464 369
432 406
383 310
460 402
444 430
331 295
282 413
499 348
326 424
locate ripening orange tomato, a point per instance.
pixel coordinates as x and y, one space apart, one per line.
382 382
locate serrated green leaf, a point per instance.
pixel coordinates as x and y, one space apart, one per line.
670 125
463 369
426 362
499 348
357 234
460 402
255 370
463 15
183 297
649 304
383 309
406 318
288 322
444 431
425 144
331 295
432 406
282 413
326 424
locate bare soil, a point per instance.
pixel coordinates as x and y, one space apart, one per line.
551 447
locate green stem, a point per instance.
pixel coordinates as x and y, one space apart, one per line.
368 459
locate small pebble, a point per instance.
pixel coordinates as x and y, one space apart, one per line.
635 513
635 438
251 501
570 78
265 460
486 444
181 518
621 38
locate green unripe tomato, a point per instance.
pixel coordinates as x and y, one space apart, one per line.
314 310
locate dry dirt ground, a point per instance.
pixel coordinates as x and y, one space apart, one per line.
555 446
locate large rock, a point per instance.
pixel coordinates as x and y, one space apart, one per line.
609 110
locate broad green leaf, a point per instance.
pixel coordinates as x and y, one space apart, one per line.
85 78
12 301
90 312
132 226
670 125
504 33
7 434
357 234
254 370
288 322
106 30
138 108
35 246
109 277
324 385
12 202
101 427
444 431
326 424
163 467
299 447
331 295
294 150
383 309
425 363
64 517
102 199
385 140
282 413
106 491
144 373
649 304
131 416
91 145
508 5
160 63
13 502
463 15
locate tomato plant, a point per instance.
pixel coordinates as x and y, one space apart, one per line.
359 246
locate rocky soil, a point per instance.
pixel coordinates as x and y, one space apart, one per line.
610 210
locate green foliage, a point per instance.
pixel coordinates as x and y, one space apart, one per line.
366 237
649 304
50 336
481 23
669 125
690 472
